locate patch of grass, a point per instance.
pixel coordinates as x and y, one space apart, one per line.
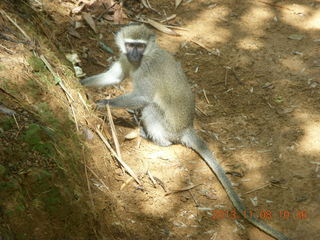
37 64
7 123
47 115
33 87
38 139
2 68
3 171
8 85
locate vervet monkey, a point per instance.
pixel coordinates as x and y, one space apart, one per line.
162 92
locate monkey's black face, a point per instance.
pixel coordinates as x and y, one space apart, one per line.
135 51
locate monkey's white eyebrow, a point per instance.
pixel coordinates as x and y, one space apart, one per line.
129 40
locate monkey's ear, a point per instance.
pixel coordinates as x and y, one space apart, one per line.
120 42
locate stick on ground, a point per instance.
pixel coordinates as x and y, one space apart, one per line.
127 168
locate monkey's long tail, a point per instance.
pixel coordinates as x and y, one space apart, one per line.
190 139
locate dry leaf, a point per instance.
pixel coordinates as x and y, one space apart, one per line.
173 16
119 15
78 9
132 135
177 3
74 33
108 17
161 27
144 3
89 20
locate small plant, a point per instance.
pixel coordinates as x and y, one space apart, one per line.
7 123
38 139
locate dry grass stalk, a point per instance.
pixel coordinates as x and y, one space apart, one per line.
68 95
201 111
114 132
73 113
152 179
87 178
183 189
173 16
14 117
7 49
43 58
226 76
201 45
205 96
83 102
126 183
258 188
127 168
97 177
16 25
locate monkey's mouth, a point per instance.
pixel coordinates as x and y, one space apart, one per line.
134 57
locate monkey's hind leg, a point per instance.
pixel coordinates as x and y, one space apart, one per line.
153 128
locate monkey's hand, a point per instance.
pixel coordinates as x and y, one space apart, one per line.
130 101
101 104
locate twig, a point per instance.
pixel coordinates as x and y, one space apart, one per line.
152 179
14 117
126 183
226 76
18 101
15 24
183 189
195 201
97 177
275 185
114 132
147 5
105 11
56 77
167 19
7 49
275 5
201 111
87 178
73 113
235 75
201 45
128 169
253 190
205 96
177 27
160 183
313 162
59 81
82 100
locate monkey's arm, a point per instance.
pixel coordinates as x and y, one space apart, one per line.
117 72
131 101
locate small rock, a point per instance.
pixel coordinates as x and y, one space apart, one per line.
254 201
296 37
132 135
88 133
301 198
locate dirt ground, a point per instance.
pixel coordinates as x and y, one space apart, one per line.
255 69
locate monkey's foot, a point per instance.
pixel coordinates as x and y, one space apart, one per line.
159 141
143 133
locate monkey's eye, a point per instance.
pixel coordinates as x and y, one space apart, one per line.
130 45
140 46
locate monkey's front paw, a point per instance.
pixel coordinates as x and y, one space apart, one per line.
101 104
